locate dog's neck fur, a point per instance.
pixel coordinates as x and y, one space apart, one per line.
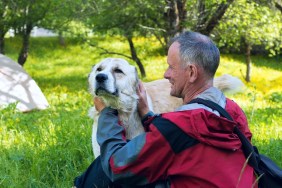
128 114
127 111
131 121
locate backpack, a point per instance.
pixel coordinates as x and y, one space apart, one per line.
269 174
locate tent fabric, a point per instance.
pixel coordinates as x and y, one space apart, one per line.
16 86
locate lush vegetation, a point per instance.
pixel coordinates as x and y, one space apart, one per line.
236 25
49 148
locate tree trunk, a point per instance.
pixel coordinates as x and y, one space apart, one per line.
135 57
182 14
2 43
278 6
3 28
202 16
171 20
62 39
25 44
175 17
248 62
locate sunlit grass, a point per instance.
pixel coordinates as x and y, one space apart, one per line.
49 148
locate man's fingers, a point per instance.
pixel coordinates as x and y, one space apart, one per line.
141 88
99 104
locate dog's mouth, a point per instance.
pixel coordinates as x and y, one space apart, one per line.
101 91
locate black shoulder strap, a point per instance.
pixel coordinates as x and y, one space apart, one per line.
247 147
213 106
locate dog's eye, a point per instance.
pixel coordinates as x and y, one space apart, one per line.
99 69
118 71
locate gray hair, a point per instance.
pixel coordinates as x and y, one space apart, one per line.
198 49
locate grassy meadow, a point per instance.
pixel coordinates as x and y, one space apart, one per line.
49 148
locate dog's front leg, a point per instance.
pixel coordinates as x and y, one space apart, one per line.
95 145
93 114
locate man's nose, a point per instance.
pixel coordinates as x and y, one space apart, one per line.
167 74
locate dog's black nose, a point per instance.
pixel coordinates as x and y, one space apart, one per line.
101 77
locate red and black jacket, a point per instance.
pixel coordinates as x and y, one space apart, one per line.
212 157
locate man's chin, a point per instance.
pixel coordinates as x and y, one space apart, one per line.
174 94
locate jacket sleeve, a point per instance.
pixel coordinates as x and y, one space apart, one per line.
140 161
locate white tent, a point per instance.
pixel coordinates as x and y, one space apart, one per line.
17 86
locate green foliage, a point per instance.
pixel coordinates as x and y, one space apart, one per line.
49 148
68 17
257 24
122 17
276 97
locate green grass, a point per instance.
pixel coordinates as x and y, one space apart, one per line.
49 148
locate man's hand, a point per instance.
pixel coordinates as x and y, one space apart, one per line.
143 108
99 104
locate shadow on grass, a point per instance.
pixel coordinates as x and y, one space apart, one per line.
260 61
72 83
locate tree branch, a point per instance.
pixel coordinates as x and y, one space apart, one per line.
215 18
278 6
105 51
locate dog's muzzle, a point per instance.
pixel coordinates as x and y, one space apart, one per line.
101 87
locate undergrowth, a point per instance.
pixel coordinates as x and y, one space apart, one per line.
49 148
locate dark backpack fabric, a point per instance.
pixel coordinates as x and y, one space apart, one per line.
269 174
94 177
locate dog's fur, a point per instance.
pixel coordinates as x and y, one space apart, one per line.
116 81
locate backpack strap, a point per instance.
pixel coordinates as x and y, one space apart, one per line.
213 106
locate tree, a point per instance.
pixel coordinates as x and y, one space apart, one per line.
174 15
24 15
248 23
68 17
126 20
7 19
210 15
160 18
3 25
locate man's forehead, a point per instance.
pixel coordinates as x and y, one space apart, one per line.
174 49
173 54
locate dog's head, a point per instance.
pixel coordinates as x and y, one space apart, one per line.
115 81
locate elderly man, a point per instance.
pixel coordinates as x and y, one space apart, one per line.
191 147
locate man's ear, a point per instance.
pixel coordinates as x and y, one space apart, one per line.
193 72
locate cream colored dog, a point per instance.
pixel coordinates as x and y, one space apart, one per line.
116 81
